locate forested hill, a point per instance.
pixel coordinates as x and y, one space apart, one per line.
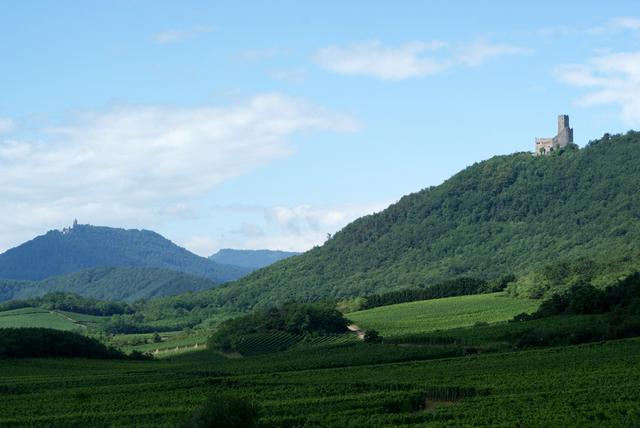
109 283
254 259
84 246
509 214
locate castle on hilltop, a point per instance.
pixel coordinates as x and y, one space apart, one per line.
564 138
68 230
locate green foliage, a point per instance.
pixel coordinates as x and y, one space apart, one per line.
265 343
372 336
586 299
620 301
588 385
224 411
450 288
507 215
46 342
293 319
72 303
85 246
112 283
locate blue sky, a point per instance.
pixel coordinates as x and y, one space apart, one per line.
271 124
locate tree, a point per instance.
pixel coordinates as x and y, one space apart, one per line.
226 411
372 336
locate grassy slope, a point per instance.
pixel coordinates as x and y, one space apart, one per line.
509 214
35 317
591 385
441 314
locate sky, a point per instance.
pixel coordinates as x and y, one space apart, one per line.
271 124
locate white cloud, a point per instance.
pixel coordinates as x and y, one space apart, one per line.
289 228
620 23
626 23
133 166
174 36
409 60
387 63
7 125
609 79
480 52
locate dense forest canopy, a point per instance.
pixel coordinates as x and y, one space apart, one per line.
110 283
512 214
84 246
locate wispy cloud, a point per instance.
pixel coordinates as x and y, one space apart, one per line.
384 62
136 165
409 60
174 35
7 125
611 79
620 23
291 228
479 52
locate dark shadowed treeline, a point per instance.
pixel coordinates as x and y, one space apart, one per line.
451 288
45 342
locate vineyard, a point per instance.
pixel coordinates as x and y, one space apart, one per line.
441 314
265 343
588 385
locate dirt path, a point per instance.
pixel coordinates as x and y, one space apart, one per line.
357 330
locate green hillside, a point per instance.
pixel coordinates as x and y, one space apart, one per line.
85 246
441 314
37 317
507 215
110 283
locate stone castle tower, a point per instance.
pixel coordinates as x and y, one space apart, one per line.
563 139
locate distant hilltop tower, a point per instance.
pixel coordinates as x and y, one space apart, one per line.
563 139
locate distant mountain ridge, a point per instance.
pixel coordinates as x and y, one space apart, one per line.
85 246
127 284
254 259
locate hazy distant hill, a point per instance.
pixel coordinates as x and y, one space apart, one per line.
84 246
509 214
254 259
110 283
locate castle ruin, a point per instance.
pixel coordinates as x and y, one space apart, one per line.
563 139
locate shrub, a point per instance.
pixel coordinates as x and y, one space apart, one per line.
372 336
226 411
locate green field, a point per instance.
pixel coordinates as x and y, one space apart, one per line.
441 314
590 385
172 342
35 317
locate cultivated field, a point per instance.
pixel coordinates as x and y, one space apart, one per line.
35 317
589 385
441 314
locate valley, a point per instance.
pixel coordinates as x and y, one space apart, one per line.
439 310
